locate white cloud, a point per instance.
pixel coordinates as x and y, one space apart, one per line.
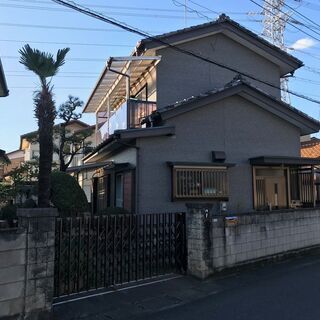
304 43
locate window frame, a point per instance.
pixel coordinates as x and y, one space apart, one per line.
200 170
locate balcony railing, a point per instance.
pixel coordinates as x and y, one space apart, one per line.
128 116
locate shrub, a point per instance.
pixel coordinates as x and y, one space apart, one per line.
115 210
8 212
29 203
66 194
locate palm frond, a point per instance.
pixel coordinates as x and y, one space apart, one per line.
42 63
60 59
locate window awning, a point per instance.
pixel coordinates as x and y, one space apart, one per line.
87 167
111 84
289 161
199 164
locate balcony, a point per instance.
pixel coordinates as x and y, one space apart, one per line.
128 116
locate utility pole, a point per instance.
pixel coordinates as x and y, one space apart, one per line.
274 25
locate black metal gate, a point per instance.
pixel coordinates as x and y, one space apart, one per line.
104 251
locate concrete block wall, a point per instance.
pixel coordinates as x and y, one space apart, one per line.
199 240
255 236
224 242
12 271
27 266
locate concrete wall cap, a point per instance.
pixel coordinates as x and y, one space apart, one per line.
37 212
12 230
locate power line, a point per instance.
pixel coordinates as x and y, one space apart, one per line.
309 5
190 10
125 7
302 15
308 34
59 88
60 72
130 29
69 43
248 13
314 82
128 14
312 69
307 80
56 27
70 59
203 7
315 56
57 76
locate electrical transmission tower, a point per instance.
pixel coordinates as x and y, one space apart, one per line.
274 25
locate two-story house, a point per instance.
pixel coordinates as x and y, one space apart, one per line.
196 115
29 151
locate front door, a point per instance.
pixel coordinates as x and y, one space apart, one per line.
276 195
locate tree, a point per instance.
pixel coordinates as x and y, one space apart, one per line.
70 143
44 65
67 195
20 182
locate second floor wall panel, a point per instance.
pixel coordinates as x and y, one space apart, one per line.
180 76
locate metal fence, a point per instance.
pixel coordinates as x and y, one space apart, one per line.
104 251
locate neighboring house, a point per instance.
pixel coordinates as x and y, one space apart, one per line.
31 152
4 161
174 129
16 158
310 148
3 84
31 148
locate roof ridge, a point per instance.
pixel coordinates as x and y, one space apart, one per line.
222 18
235 82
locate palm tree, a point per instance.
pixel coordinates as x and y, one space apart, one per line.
44 66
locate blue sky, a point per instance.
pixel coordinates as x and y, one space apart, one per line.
92 42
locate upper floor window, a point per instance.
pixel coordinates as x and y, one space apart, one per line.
193 182
35 154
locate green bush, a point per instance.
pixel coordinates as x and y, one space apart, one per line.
115 210
29 203
67 195
8 212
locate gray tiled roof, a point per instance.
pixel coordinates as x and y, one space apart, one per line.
223 18
238 80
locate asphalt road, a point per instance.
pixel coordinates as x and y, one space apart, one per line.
288 290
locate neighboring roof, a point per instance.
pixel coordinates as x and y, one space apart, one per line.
311 148
32 133
275 160
3 84
15 154
241 87
122 138
309 142
227 25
